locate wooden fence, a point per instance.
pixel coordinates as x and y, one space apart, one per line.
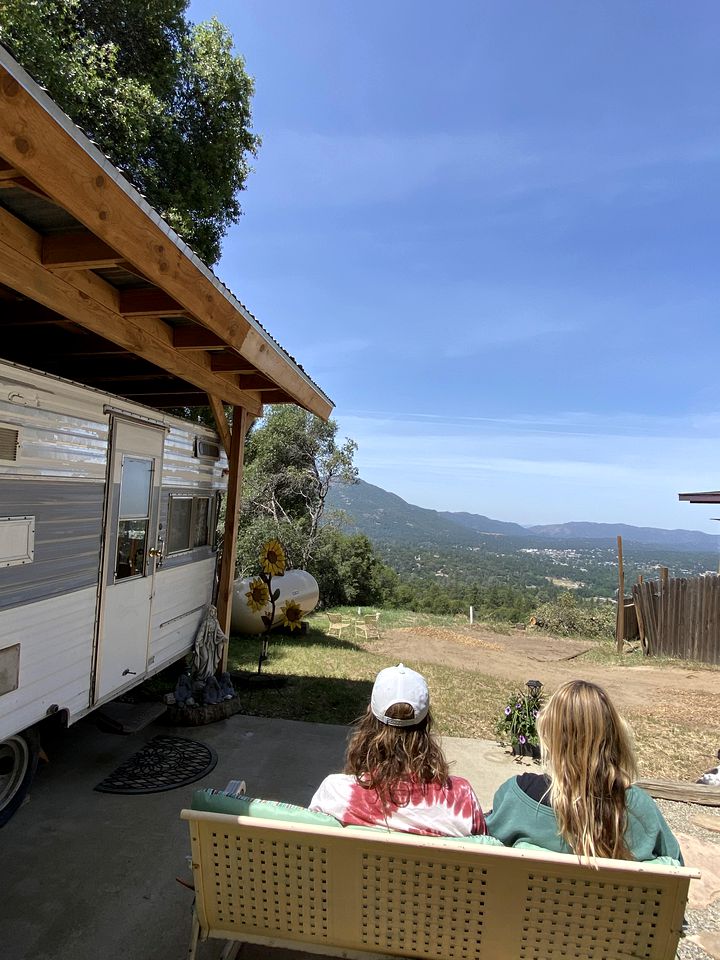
680 617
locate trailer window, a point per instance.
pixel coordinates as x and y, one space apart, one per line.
179 524
189 523
134 517
201 521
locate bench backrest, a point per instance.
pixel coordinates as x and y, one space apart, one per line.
387 893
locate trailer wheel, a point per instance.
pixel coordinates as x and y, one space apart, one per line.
18 762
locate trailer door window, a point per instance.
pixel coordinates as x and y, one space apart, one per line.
134 517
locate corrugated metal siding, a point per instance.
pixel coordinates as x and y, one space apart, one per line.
181 468
56 638
64 431
68 530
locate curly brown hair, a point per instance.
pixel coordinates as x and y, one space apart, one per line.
388 759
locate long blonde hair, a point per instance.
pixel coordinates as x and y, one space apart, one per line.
389 759
588 753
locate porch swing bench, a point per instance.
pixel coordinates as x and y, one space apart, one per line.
366 893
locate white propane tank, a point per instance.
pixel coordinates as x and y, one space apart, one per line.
297 585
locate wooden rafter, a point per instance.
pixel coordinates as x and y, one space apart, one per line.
149 302
196 338
81 249
227 363
21 269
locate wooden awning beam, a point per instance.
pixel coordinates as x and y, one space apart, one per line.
196 338
225 363
149 302
21 269
81 249
712 496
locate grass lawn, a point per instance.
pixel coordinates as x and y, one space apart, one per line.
330 680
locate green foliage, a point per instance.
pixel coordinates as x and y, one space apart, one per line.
517 722
168 101
349 572
291 458
568 616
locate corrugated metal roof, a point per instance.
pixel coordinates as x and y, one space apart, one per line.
41 95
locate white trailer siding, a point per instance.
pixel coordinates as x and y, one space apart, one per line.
181 595
56 647
57 477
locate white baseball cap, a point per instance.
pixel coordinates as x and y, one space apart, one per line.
400 684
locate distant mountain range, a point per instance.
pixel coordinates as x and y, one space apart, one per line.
387 518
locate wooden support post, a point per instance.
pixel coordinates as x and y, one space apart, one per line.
232 516
620 621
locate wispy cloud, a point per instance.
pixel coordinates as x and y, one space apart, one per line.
628 468
346 170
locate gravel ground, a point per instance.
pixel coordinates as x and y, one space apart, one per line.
679 817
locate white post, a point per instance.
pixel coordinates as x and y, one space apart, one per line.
471 616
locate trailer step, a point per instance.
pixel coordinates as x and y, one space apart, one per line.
119 717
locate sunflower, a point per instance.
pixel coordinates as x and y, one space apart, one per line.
272 558
258 596
291 615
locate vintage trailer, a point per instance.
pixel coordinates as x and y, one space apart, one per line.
108 512
108 503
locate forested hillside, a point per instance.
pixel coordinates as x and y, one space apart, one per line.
453 550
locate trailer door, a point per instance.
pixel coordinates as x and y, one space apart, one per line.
131 554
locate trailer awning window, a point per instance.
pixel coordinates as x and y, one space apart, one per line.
189 523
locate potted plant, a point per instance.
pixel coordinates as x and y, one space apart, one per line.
517 722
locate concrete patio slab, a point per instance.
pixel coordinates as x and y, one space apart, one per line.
88 875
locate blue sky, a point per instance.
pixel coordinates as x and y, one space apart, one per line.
489 231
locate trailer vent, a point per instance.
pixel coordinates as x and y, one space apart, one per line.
206 449
9 440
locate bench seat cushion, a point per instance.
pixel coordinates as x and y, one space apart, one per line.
216 801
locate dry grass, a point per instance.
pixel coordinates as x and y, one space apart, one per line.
445 633
321 679
329 681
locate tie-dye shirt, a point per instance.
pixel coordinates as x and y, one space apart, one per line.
450 810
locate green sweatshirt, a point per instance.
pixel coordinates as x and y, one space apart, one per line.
518 820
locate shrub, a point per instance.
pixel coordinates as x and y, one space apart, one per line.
569 617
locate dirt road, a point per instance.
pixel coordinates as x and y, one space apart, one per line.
526 655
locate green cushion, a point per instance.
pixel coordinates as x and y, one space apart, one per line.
481 839
215 801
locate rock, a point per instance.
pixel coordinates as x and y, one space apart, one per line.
704 856
706 821
708 940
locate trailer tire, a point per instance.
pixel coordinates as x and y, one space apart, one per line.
18 763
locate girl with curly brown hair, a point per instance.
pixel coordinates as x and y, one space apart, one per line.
395 772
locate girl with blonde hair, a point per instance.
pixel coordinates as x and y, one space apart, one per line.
396 775
586 803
